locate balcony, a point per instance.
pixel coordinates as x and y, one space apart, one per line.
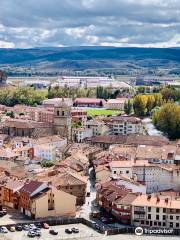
139 212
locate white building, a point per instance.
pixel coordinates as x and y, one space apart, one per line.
98 127
79 134
45 152
156 177
125 125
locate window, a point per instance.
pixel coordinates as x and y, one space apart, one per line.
127 171
164 210
157 210
177 217
155 223
149 209
159 223
62 113
177 225
114 172
149 216
171 217
157 217
57 113
164 224
164 217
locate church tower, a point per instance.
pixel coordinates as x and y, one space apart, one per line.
62 119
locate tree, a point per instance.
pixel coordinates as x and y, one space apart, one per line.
128 107
10 114
167 120
150 103
139 105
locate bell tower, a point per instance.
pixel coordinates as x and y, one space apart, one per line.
62 119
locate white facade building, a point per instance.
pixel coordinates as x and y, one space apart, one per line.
45 152
125 125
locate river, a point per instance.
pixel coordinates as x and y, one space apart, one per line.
152 131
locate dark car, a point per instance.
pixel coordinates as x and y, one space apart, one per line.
75 230
19 228
68 230
53 232
38 225
1 214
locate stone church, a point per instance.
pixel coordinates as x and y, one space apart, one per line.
25 128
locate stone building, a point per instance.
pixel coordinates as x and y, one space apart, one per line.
62 119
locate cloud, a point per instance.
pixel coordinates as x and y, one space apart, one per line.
33 23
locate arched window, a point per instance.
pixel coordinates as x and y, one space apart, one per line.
62 113
57 113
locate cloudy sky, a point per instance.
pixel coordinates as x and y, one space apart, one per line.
33 23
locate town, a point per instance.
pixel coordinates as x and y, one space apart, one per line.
62 160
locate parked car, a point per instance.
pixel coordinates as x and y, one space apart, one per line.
26 227
32 225
3 230
38 225
31 234
53 232
4 210
19 228
68 230
45 226
75 230
37 233
12 229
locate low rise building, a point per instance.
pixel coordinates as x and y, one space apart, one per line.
79 134
45 152
79 116
38 200
116 104
89 102
98 127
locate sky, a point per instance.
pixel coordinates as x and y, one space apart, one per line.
120 23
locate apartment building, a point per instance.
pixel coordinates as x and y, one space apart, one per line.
158 210
125 125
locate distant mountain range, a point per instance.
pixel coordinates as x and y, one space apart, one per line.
80 58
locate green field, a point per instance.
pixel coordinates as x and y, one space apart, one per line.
101 112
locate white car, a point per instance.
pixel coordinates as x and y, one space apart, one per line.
3 230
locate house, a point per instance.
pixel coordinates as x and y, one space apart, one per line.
10 193
38 200
79 134
3 139
156 210
122 209
89 102
25 151
98 127
79 116
68 182
116 104
7 154
54 141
